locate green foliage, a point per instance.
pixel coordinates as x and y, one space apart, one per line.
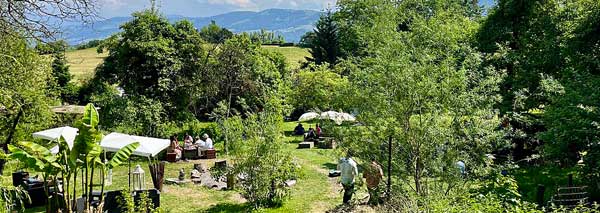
324 41
168 62
127 202
136 115
214 34
12 199
83 158
156 59
319 87
25 80
259 156
89 44
419 82
266 37
53 47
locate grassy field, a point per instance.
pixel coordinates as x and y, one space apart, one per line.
314 191
295 55
82 63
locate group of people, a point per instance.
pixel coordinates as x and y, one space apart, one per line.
204 143
372 173
310 134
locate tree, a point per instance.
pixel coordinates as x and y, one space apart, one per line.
260 156
41 19
214 34
158 60
53 47
61 74
24 89
319 87
324 41
424 96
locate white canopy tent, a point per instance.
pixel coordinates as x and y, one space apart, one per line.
149 147
67 132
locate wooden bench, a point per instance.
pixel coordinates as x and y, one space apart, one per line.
172 157
210 154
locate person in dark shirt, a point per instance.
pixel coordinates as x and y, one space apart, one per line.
299 130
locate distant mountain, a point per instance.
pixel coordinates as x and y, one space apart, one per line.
292 24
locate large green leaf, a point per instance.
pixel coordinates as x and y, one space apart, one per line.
34 149
90 116
122 155
30 161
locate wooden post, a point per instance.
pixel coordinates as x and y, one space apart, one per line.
540 195
570 181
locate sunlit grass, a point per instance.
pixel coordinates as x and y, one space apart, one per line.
313 192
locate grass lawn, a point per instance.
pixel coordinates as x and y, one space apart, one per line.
294 55
313 192
82 63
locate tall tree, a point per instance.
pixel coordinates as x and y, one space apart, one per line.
424 95
61 74
24 86
324 41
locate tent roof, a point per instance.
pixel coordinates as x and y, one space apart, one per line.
148 146
67 132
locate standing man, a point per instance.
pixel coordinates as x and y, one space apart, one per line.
348 170
373 175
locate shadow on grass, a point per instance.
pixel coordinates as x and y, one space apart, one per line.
330 166
229 207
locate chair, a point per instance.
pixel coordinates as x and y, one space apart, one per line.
210 154
172 157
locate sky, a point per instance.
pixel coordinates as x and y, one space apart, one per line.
204 8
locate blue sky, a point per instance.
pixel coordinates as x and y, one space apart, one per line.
202 8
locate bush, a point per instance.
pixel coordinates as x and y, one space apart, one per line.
197 128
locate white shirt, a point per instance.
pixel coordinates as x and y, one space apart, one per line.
348 169
208 143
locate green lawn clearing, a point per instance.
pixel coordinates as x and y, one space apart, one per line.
313 192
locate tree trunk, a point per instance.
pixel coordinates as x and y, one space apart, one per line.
11 134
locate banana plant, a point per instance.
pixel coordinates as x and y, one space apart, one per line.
82 160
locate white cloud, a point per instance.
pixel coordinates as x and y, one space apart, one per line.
197 8
237 3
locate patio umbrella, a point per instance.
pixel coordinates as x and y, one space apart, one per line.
337 117
308 116
67 132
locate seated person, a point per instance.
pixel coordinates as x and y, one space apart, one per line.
188 141
175 148
311 134
318 130
199 142
208 143
299 130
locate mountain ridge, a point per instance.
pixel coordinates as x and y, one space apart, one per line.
292 24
